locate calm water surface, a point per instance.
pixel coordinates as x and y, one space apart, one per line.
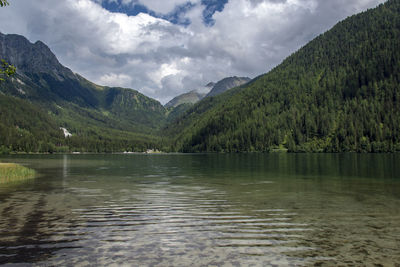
202 210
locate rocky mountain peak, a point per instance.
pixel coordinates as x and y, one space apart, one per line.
31 58
226 84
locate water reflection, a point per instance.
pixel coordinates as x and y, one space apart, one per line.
180 210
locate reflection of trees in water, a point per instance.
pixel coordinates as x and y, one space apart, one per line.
27 220
26 237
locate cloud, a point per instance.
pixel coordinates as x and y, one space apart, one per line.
164 6
162 59
117 80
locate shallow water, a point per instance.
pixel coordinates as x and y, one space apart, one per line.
202 210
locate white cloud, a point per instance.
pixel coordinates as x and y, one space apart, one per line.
164 6
116 80
120 33
161 59
165 70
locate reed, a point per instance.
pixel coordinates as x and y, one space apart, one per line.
11 172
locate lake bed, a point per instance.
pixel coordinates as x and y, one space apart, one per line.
203 209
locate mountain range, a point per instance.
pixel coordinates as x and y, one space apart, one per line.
226 84
338 93
97 116
191 97
212 89
100 118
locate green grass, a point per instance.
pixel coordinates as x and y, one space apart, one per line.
11 172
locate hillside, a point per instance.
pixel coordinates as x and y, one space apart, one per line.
191 97
226 84
213 89
100 118
179 105
338 93
187 116
24 127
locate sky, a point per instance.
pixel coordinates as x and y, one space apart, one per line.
164 48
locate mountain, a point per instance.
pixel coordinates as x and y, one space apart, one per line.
338 93
210 85
100 118
186 116
191 97
180 104
184 102
26 127
213 89
226 84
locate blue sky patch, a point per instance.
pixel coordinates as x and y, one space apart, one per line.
177 16
212 6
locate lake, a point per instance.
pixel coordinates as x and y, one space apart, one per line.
203 209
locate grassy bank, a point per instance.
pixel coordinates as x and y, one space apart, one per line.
10 172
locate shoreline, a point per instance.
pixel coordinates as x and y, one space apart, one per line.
273 151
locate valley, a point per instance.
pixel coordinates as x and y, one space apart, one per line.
339 93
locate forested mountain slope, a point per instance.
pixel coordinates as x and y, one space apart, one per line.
338 93
182 103
100 118
24 127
